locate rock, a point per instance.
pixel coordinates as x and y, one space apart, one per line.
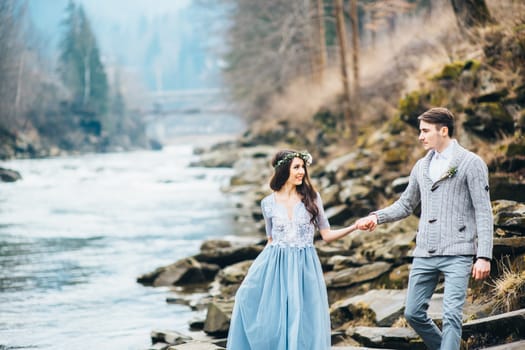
506 187
495 330
159 346
338 215
510 245
349 276
218 317
509 215
399 184
489 120
519 345
386 305
228 254
217 159
7 175
197 324
196 345
234 274
196 301
339 262
183 272
398 277
384 337
169 337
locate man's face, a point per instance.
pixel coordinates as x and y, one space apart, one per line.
432 136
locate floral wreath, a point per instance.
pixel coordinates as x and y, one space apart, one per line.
304 155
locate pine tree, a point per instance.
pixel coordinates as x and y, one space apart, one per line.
81 68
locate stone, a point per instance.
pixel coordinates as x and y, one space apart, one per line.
495 330
509 215
506 187
387 305
183 272
488 120
399 184
8 175
196 345
519 345
169 337
385 337
338 215
353 275
228 255
235 273
218 317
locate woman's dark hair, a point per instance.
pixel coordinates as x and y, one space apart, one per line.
440 117
305 189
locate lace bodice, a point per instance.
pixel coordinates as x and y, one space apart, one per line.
295 232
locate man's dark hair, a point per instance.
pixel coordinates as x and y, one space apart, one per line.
440 117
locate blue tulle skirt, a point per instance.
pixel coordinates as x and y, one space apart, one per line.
282 303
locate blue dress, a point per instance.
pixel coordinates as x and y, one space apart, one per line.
282 303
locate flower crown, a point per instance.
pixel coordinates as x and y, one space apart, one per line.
305 156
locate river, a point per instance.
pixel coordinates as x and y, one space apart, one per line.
77 231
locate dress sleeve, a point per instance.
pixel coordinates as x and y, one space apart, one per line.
322 220
266 211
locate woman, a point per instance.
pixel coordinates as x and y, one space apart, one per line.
282 303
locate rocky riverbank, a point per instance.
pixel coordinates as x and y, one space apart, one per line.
366 273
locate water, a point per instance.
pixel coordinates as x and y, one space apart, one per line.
76 232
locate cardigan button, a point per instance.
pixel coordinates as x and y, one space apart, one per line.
431 221
431 251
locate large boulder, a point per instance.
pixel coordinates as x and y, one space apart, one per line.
386 306
385 337
218 317
494 330
353 275
224 253
8 175
509 216
184 272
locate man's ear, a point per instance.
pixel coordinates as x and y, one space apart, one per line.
443 131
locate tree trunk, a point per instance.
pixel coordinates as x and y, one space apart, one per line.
341 35
87 78
471 13
19 84
355 58
321 50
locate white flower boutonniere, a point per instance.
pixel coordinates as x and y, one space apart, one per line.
449 173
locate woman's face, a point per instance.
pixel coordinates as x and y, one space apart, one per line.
297 172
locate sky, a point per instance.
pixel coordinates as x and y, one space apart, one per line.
123 10
145 36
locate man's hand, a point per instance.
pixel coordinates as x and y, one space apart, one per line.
367 223
481 269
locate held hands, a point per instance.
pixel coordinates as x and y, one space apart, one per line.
368 223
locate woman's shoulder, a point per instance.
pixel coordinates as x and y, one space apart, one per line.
267 200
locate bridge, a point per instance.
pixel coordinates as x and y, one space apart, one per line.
188 101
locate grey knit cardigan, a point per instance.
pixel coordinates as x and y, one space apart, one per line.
456 214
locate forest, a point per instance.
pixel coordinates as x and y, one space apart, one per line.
56 105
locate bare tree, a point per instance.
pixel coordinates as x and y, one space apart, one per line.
321 33
355 57
471 13
341 36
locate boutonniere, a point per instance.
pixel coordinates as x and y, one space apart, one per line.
449 173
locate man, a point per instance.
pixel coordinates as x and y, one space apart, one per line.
455 228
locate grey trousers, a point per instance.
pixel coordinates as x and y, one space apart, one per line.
422 283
